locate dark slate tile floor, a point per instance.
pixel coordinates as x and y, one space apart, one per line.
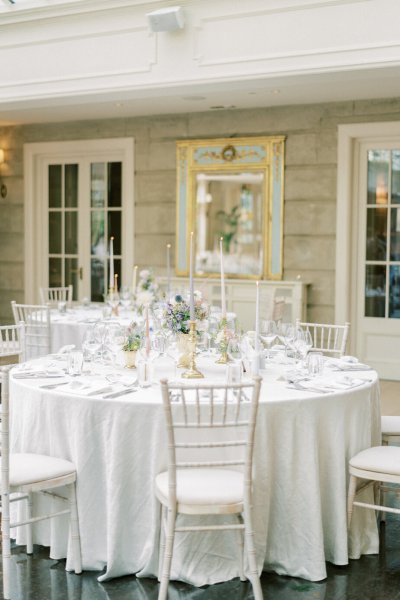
371 578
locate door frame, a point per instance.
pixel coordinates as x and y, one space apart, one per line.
350 138
35 156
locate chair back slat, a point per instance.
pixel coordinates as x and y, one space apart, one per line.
12 341
53 295
37 327
210 425
326 337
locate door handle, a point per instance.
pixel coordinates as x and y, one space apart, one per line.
80 271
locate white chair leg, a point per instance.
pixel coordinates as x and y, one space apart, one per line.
350 498
251 554
240 548
29 542
169 548
162 541
74 529
6 546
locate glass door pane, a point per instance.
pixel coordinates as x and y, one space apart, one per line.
105 222
63 225
382 248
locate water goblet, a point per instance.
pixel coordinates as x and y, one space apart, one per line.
268 334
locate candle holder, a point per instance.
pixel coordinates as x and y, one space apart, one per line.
223 359
113 301
192 372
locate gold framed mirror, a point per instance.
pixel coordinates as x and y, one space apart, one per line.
231 188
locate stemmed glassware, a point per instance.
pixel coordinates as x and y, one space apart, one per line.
92 343
125 298
268 334
114 336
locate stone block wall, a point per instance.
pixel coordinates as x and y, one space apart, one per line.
310 183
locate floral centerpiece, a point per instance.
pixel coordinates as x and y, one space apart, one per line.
147 290
176 318
177 313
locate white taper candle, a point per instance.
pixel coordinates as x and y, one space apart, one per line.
223 297
191 289
257 325
111 262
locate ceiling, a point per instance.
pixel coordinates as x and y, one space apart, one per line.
263 92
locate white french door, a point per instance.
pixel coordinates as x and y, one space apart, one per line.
378 257
83 195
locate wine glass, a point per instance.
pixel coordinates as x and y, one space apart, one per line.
92 343
125 298
114 336
268 334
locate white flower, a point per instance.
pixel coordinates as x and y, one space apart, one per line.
197 295
144 298
145 274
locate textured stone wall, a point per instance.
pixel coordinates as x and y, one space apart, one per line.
310 183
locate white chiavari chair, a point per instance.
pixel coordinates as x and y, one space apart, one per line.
25 474
37 327
331 339
217 476
12 343
54 295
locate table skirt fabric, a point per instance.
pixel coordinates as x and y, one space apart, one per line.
118 446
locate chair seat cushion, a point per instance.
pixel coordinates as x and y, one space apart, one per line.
379 459
31 468
390 425
204 486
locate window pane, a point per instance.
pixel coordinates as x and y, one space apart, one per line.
97 185
394 297
97 233
395 234
396 177
376 233
54 186
98 286
55 273
114 183
375 290
114 229
55 237
71 274
71 186
71 232
378 176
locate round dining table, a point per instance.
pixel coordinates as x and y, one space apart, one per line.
69 327
114 432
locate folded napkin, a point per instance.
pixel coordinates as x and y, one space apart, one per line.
37 373
347 363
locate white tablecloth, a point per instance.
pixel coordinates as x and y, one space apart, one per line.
70 327
303 443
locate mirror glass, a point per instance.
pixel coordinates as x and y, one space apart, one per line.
231 188
229 206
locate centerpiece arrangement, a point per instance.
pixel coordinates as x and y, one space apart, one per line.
177 319
132 343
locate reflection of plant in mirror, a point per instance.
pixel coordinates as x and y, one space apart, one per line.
230 222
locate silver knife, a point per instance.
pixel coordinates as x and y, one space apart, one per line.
120 393
50 386
102 390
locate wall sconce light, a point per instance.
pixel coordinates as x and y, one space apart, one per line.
3 187
166 19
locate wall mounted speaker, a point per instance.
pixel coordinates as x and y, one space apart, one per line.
166 19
